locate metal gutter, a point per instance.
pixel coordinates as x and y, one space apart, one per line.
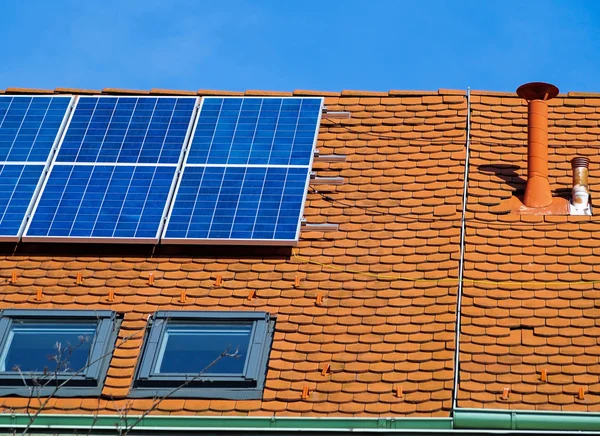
525 420
461 261
222 423
466 422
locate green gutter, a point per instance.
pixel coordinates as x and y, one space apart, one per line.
482 419
463 419
183 423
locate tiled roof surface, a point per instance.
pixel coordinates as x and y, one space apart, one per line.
399 216
514 332
528 323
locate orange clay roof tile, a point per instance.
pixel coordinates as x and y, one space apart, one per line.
309 93
76 91
28 91
209 92
346 93
252 92
157 91
124 91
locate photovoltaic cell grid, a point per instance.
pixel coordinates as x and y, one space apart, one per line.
246 173
238 203
255 131
103 201
127 130
114 170
17 185
28 129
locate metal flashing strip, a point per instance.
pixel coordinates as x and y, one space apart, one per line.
461 262
190 165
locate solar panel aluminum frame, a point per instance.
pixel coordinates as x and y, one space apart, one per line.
112 240
261 242
29 212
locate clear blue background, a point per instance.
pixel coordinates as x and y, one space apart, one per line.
302 44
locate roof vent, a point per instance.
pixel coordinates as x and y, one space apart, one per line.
580 194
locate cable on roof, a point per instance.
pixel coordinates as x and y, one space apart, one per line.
295 254
461 141
411 218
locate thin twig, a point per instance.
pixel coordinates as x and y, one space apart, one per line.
29 397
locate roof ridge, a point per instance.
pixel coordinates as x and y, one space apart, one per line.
250 92
300 92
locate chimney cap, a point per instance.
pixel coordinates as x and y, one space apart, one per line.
580 162
537 91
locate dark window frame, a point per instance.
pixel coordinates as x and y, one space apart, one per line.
86 382
248 386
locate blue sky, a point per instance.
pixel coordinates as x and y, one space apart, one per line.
310 44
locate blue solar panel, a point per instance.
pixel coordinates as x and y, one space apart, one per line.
246 172
261 131
114 170
17 185
29 126
127 130
249 203
102 201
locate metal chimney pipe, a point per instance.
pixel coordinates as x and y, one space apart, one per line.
580 194
537 191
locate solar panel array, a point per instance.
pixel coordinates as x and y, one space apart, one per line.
246 173
114 170
29 127
110 169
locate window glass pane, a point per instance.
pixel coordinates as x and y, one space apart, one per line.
41 347
190 349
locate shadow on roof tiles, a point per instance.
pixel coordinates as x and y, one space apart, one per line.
506 172
133 250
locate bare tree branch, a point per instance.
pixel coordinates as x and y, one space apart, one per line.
159 400
61 360
95 420
59 386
